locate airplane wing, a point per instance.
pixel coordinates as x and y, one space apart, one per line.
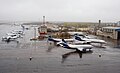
69 40
54 39
57 39
59 43
81 42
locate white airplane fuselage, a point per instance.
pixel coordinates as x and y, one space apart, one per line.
84 47
91 40
59 40
95 40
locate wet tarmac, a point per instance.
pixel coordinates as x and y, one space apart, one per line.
42 57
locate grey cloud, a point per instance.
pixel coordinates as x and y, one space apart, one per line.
60 10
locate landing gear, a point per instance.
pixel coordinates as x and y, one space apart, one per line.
84 50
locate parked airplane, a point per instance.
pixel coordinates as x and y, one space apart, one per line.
81 48
25 27
81 38
9 37
79 41
13 35
56 40
18 32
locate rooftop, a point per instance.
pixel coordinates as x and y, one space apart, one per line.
111 27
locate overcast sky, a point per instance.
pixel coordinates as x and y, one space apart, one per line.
60 10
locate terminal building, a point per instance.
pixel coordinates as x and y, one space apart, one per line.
111 32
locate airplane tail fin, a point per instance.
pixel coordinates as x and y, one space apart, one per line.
77 38
64 44
50 38
64 41
23 27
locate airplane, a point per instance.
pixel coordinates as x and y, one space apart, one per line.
90 40
77 40
25 27
13 35
80 48
56 40
9 37
18 31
